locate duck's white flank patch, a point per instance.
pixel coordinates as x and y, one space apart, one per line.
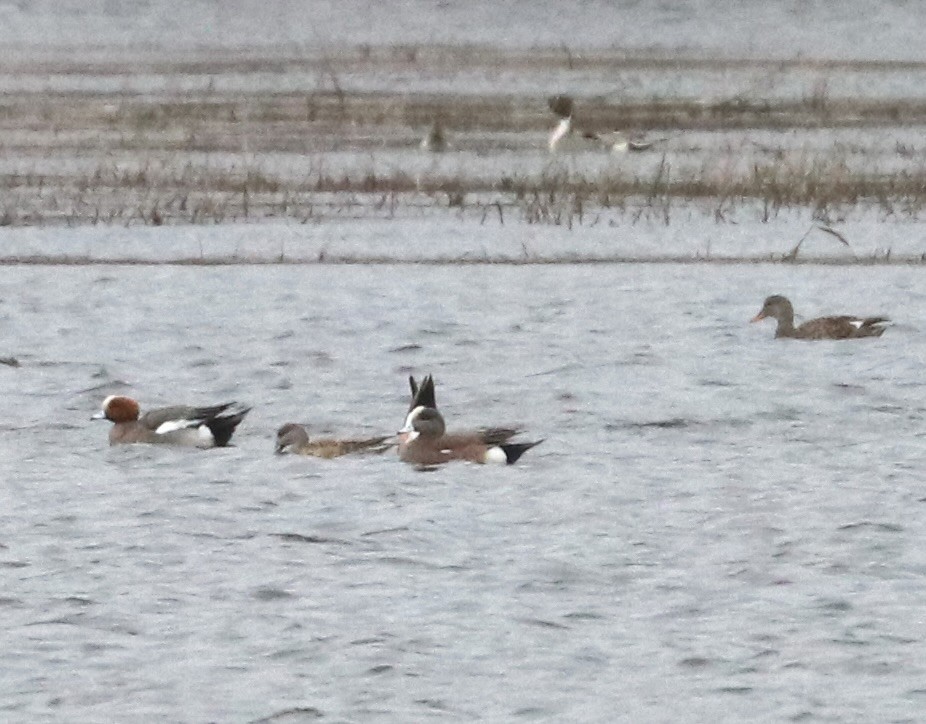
496 455
173 425
857 323
205 436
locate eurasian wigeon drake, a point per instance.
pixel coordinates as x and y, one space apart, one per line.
201 427
424 440
841 327
293 438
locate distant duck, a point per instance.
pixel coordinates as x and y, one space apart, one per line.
435 140
293 438
424 440
841 327
615 141
566 130
181 425
620 142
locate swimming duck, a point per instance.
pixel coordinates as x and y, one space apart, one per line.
494 435
293 438
620 142
424 439
562 106
615 141
841 327
201 427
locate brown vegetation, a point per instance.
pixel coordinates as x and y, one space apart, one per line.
174 155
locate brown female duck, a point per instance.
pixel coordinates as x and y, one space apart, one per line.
841 327
293 438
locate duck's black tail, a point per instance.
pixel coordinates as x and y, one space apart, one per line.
423 394
222 425
514 450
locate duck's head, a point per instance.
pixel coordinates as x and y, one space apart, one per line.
118 408
289 436
775 306
422 421
561 105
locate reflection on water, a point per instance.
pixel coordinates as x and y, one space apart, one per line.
719 524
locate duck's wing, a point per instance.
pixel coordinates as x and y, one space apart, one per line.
174 424
497 435
870 326
369 445
180 416
842 327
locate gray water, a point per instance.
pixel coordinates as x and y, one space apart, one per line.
718 526
779 28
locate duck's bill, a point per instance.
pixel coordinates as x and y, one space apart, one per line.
758 318
98 415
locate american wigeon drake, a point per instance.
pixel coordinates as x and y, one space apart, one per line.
841 327
293 438
494 435
183 425
424 439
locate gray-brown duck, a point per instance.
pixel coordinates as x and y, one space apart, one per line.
293 438
841 327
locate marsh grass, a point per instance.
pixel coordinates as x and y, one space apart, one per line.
192 149
165 194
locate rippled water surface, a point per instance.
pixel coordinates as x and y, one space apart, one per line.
718 525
